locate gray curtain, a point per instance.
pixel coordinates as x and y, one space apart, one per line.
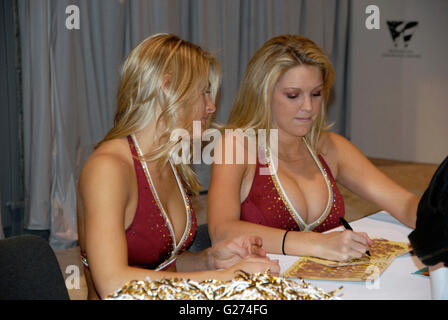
2 235
70 76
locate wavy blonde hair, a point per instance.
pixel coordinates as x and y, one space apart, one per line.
161 80
252 108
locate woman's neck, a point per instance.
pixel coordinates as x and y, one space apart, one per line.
145 138
290 148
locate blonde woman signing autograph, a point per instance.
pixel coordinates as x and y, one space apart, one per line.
135 219
286 87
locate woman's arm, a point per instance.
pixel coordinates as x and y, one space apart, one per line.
221 255
224 196
103 187
359 175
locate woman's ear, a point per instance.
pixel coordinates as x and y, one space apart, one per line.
166 80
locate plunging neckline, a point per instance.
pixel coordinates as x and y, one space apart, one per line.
280 190
176 246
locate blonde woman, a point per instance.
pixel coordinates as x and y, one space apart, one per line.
286 87
135 219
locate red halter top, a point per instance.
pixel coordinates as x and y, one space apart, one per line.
150 238
267 203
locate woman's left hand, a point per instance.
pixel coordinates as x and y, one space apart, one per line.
226 253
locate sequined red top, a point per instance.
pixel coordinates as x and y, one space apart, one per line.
150 238
267 203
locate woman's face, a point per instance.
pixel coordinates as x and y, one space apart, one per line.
203 107
297 100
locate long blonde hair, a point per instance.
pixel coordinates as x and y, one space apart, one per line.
143 98
252 108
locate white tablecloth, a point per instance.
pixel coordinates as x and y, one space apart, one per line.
397 282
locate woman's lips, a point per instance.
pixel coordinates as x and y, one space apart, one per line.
303 119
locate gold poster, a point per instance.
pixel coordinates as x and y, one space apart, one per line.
383 252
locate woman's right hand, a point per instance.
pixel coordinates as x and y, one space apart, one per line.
253 265
344 245
226 253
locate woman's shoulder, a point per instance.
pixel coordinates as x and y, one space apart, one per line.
110 163
331 143
333 147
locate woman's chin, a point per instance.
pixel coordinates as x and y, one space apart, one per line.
298 132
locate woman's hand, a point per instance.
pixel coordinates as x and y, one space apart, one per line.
343 245
226 253
253 265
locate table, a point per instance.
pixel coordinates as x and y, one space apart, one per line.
396 283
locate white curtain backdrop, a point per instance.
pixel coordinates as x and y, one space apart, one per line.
70 76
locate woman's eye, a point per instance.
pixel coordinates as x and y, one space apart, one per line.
291 96
317 94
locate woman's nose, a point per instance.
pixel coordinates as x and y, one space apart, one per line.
307 104
211 107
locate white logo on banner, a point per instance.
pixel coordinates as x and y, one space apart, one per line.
401 33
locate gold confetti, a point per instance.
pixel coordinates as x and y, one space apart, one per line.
259 286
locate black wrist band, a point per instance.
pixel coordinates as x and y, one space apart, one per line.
283 243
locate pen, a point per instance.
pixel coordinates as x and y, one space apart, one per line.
348 227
